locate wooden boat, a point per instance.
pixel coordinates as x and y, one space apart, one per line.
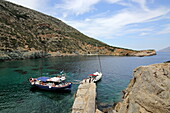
46 83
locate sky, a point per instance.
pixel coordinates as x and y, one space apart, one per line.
133 24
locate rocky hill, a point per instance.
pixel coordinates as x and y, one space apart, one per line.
25 33
148 91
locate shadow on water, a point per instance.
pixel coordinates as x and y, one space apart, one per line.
34 89
57 96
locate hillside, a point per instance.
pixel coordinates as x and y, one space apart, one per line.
167 49
25 33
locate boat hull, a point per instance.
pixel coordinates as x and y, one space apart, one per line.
49 88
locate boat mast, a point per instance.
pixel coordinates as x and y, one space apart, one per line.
99 59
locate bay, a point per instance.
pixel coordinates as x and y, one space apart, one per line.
17 96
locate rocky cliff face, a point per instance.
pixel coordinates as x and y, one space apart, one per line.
25 30
148 91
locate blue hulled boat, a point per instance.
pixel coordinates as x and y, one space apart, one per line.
50 84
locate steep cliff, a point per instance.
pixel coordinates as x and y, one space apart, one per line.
25 30
148 91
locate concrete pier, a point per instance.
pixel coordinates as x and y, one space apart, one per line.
85 98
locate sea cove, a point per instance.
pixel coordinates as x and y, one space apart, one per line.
17 96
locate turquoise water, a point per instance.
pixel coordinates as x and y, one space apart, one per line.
16 95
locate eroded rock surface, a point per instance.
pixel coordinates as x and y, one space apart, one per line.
148 91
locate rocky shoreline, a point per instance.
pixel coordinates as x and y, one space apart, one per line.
19 55
34 54
148 91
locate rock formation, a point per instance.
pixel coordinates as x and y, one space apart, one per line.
148 91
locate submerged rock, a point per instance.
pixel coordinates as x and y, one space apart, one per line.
148 91
21 71
105 107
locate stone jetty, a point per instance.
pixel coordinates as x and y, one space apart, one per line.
85 98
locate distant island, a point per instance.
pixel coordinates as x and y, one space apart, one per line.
26 33
167 49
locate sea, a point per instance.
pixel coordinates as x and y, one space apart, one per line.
17 95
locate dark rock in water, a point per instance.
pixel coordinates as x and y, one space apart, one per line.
105 107
35 69
21 71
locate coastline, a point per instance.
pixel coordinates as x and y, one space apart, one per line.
21 55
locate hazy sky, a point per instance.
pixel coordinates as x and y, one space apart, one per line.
133 24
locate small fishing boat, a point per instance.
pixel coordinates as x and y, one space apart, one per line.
96 76
50 84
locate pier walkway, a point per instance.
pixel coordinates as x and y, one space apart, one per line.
85 98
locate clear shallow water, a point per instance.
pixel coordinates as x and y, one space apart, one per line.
16 94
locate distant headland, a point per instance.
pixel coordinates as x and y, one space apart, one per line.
167 49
